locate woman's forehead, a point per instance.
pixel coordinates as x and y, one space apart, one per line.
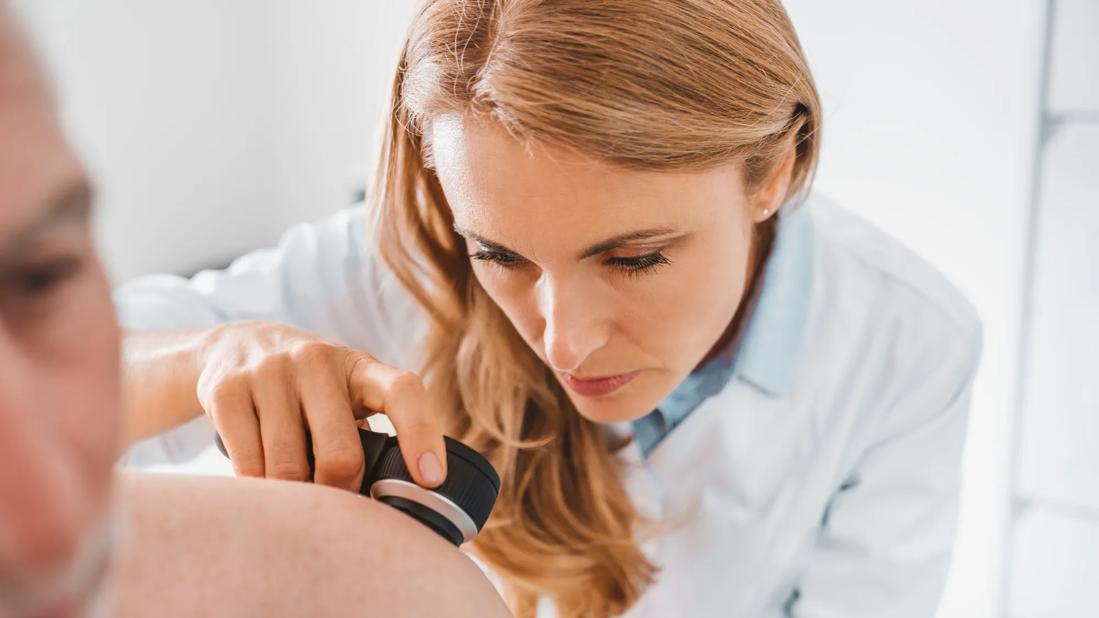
493 180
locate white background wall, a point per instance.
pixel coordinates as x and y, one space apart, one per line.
931 117
213 124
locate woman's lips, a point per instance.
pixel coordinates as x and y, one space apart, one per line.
597 387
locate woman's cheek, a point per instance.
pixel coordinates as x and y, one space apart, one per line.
493 282
515 298
692 302
500 286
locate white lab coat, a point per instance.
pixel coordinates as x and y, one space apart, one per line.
821 482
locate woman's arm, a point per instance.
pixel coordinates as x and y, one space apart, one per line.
204 546
160 373
310 333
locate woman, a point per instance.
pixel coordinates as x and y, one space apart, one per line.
591 238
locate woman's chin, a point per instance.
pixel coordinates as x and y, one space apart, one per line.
601 414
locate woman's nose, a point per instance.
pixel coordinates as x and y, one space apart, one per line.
575 325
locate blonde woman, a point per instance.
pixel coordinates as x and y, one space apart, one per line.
591 252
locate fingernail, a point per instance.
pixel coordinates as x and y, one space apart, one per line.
430 468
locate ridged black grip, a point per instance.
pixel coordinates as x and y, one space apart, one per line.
471 482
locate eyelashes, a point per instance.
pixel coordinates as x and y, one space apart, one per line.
631 266
498 258
642 263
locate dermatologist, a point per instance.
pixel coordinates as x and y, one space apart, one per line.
591 252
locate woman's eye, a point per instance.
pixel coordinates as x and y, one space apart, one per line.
629 265
500 258
640 264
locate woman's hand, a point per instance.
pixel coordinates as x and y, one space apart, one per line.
264 384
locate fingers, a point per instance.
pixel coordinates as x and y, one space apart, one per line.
230 409
402 397
279 385
337 450
281 425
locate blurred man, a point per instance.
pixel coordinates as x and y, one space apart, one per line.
58 348
70 544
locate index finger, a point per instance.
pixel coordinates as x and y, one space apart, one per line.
401 396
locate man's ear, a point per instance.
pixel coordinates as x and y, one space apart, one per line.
770 197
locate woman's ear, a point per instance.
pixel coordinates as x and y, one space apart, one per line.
772 194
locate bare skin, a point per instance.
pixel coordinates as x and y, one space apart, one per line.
323 551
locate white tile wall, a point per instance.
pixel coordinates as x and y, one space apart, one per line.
1060 447
1055 568
1075 67
1056 561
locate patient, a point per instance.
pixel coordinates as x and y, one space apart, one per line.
77 540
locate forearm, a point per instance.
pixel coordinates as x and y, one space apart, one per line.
160 375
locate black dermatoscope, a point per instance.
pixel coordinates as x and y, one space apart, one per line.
456 510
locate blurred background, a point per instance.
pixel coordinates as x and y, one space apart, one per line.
967 128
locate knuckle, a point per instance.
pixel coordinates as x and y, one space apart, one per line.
288 471
357 357
248 466
229 392
341 462
272 366
406 384
311 352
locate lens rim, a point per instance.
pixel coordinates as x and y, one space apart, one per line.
434 501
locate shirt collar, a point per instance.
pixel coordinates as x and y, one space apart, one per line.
767 355
769 351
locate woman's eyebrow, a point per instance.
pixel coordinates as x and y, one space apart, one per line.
617 241
600 247
493 246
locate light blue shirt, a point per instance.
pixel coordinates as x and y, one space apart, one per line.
767 353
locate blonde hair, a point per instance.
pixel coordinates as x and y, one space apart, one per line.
668 85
